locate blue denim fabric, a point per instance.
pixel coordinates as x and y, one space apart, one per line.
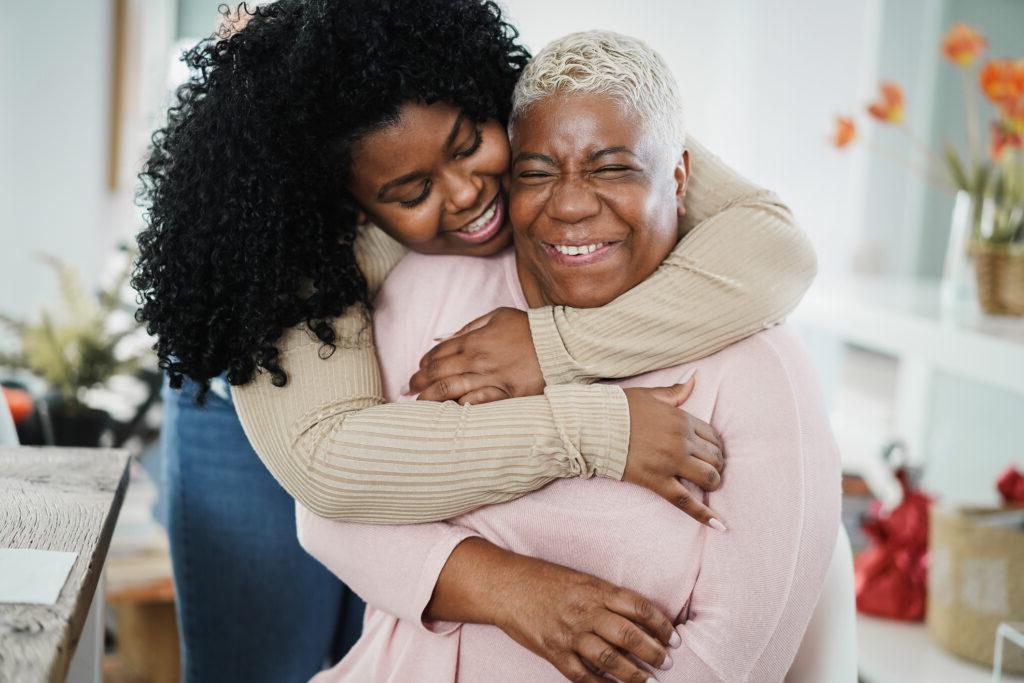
252 605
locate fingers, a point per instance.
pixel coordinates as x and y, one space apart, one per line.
575 670
606 658
633 640
452 388
485 395
691 504
434 370
676 394
707 432
700 472
708 453
641 611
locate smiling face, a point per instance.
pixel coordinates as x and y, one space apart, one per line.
434 181
595 200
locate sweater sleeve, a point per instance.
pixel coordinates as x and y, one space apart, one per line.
742 265
396 566
760 580
330 440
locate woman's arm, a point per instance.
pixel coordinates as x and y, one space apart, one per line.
743 265
333 444
759 582
441 575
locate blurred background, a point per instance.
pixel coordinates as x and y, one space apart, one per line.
916 371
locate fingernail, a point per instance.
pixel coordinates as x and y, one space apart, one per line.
652 679
716 525
442 337
667 664
675 640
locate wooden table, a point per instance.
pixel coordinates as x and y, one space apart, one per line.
64 499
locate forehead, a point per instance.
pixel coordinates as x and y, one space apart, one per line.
412 141
579 123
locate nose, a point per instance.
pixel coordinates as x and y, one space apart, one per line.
572 200
463 190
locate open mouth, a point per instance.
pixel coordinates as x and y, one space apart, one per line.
579 254
486 225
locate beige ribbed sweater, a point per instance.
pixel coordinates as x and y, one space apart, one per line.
332 442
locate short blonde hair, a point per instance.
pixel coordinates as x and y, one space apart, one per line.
609 63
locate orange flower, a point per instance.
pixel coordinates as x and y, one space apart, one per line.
1004 137
846 132
963 44
888 109
1002 81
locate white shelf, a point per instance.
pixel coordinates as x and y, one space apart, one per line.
897 652
903 317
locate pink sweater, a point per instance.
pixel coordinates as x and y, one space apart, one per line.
741 599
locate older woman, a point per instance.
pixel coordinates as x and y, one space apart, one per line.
598 182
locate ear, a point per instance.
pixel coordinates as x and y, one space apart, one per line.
362 218
682 175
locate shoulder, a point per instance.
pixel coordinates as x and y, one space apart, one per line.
421 279
770 370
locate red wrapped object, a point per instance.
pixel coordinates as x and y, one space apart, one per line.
891 572
1011 486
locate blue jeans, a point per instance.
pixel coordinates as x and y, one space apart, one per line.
252 605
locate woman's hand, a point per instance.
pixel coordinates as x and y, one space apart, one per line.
489 359
584 626
667 444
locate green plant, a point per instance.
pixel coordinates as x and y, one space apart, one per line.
74 348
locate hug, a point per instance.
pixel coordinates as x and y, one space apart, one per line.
621 466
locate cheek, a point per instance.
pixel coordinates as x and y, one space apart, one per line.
410 226
494 154
524 205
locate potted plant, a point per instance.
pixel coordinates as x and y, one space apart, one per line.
78 348
988 218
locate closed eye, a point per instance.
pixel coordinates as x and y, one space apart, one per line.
471 150
410 203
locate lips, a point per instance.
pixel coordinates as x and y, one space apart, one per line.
485 226
580 253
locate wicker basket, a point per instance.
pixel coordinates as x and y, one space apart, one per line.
999 270
975 581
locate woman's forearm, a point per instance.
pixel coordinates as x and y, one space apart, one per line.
333 444
470 587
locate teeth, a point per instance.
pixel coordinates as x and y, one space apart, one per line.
482 221
570 250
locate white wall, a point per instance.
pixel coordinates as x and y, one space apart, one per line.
54 108
761 83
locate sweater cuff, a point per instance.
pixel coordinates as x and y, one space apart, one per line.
595 421
556 364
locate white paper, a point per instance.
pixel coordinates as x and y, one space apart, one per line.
33 576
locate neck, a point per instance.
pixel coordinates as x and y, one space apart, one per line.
533 292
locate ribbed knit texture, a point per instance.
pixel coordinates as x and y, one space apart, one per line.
740 600
331 441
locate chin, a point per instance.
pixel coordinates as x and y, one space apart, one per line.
585 297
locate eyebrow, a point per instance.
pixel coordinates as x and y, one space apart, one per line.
535 156
611 150
416 175
545 159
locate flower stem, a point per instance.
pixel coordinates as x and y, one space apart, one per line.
923 172
971 106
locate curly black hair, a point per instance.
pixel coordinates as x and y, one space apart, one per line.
249 226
